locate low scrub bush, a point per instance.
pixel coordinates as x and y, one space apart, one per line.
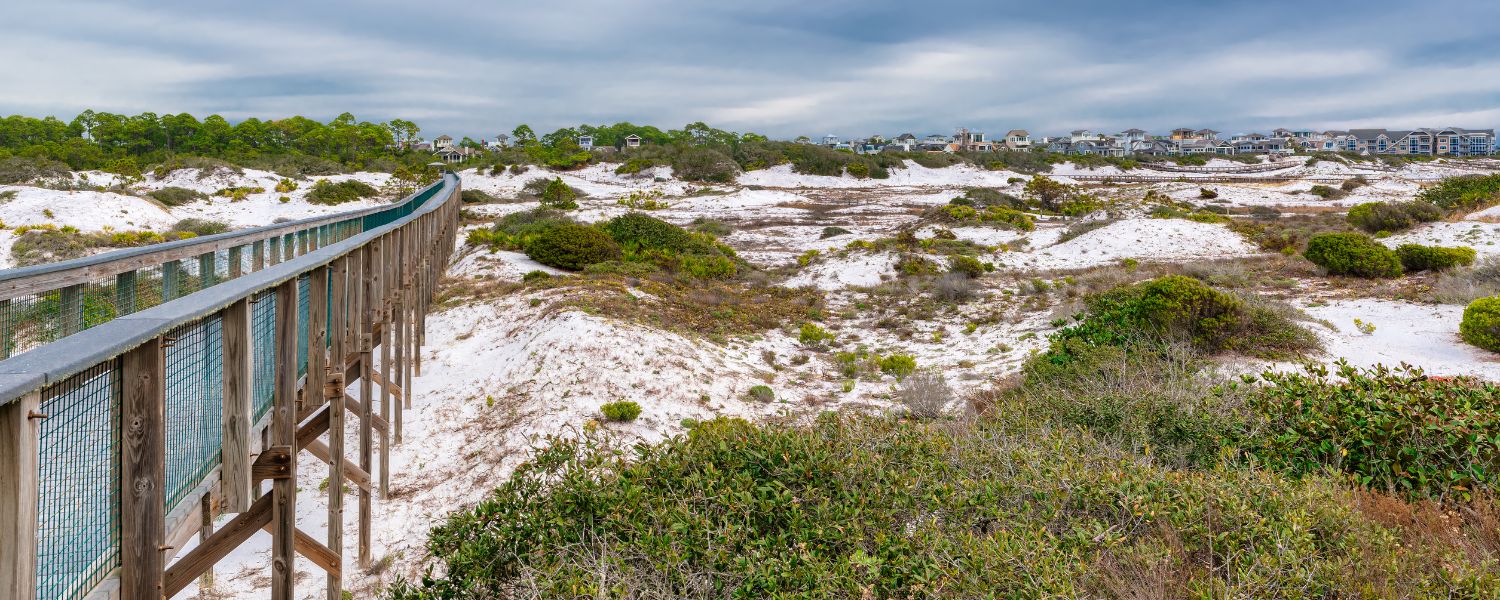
1207 194
812 334
199 227
571 246
899 365
925 394
869 507
1462 286
558 195
648 239
967 266
1327 192
477 197
1352 254
329 193
762 393
1392 429
1183 309
176 196
623 411
1376 217
1416 257
1466 193
19 170
705 164
1481 324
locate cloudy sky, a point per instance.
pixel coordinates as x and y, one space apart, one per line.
779 67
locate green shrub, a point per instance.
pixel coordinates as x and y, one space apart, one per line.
200 226
762 393
913 266
858 169
623 411
477 197
286 186
1176 307
867 507
537 275
813 335
829 232
572 246
1326 192
176 196
559 195
1481 324
1389 428
1375 217
1416 257
966 265
329 193
899 365
1207 194
705 164
1352 254
633 166
1466 193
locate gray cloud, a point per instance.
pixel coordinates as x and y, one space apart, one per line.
783 68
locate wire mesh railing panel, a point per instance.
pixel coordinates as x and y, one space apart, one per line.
78 510
263 349
194 404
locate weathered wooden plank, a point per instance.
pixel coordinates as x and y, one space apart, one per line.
236 261
19 431
366 397
258 255
234 455
142 471
283 433
319 554
382 315
219 545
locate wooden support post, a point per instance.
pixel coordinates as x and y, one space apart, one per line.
236 262
333 390
366 395
234 455
19 448
142 472
70 305
208 270
257 255
206 531
220 544
284 434
125 293
382 319
171 280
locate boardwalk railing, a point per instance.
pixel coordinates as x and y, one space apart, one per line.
161 386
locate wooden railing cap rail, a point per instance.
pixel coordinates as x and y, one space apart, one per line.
74 354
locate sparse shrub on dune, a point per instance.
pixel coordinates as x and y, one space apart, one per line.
1352 254
176 196
1376 217
1481 324
1416 257
623 411
571 246
1465 285
329 193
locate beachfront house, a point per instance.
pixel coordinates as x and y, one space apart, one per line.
1017 139
632 141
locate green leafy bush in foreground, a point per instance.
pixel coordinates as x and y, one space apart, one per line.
1389 428
863 507
1481 324
572 246
1352 254
1416 257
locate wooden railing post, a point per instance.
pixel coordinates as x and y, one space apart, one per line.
236 262
171 280
366 395
142 472
257 255
208 270
234 474
284 436
333 390
70 304
381 316
275 247
19 447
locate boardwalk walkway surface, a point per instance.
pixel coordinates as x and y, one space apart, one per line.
145 391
